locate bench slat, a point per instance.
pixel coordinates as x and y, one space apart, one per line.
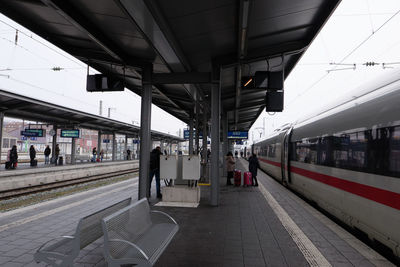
140 228
62 252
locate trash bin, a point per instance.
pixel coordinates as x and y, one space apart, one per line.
60 161
68 159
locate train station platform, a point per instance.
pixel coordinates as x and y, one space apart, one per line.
254 226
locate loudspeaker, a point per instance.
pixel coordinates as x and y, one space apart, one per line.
274 101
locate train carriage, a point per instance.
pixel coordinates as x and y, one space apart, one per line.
347 160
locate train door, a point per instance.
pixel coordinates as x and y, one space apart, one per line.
285 157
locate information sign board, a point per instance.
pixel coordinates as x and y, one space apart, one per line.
40 132
238 135
106 141
186 134
29 134
70 133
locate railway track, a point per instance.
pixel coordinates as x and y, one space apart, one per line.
59 184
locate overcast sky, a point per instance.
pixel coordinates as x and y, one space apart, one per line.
359 31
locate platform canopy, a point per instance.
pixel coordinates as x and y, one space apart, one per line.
189 38
22 107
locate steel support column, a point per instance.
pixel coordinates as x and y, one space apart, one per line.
224 122
162 146
145 134
54 143
114 147
73 150
1 132
98 144
215 131
197 143
126 147
191 136
205 157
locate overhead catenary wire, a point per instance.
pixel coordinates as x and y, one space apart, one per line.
346 56
44 44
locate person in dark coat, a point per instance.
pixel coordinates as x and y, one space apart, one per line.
32 153
253 166
56 154
14 157
128 154
94 152
47 152
155 169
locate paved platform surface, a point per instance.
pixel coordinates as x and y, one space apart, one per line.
248 228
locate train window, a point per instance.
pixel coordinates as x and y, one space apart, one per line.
394 163
357 151
373 151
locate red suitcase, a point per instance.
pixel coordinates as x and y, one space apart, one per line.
247 179
237 177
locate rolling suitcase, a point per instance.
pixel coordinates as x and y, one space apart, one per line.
8 165
34 163
247 179
237 177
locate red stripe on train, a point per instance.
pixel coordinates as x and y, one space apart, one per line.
381 196
277 164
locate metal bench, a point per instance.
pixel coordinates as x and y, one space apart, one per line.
136 235
63 250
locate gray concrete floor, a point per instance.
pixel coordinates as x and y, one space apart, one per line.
243 230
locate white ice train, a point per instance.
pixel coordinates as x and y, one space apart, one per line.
347 160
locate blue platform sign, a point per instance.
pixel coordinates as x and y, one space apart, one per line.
70 133
29 134
135 141
106 141
186 134
40 132
238 135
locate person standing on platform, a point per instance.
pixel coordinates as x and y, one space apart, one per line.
47 153
32 154
101 155
155 169
56 154
230 167
128 154
14 157
253 167
94 152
